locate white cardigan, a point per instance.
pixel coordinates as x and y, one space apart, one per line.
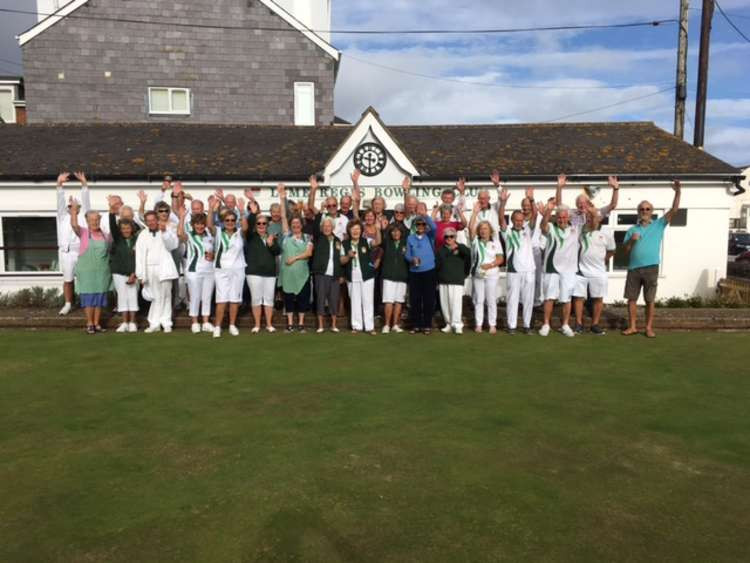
155 249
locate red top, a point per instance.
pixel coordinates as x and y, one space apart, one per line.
441 227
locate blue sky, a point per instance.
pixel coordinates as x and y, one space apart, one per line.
554 66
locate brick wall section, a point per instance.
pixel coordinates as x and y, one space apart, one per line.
238 77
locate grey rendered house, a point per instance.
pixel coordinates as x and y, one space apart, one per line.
202 61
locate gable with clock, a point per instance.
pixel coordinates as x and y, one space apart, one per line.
370 158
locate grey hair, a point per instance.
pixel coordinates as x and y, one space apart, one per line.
450 231
562 208
327 220
92 213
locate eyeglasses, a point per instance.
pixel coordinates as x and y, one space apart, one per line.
450 236
163 211
230 220
644 209
421 224
261 223
331 206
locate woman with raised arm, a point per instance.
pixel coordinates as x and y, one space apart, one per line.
296 250
261 250
487 257
395 273
92 273
453 264
359 270
327 271
199 271
447 217
122 264
229 263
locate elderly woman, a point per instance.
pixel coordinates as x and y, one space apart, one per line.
296 250
487 257
92 273
359 270
453 262
261 250
327 271
420 254
229 264
395 273
199 268
445 218
122 264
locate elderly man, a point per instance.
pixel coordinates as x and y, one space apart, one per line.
578 216
68 242
521 240
643 248
155 268
330 211
560 265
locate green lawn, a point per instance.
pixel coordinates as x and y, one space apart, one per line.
348 448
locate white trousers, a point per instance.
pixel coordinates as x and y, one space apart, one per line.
362 295
521 289
160 312
451 304
485 294
127 295
201 289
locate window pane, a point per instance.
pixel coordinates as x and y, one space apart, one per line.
620 259
159 100
180 101
7 109
30 244
304 103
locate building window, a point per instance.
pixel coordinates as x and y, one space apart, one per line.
304 103
169 101
621 222
7 109
29 244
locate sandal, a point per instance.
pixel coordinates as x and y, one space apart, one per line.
90 329
98 328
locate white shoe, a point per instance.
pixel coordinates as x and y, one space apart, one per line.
195 328
233 330
152 329
335 330
544 331
255 330
270 329
459 330
207 327
567 331
320 330
66 309
132 327
122 328
167 329
386 329
397 329
446 329
217 332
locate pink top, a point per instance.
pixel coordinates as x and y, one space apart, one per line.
441 227
86 236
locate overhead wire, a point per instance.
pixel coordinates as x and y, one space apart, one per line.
730 22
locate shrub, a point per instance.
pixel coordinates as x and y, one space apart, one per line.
32 298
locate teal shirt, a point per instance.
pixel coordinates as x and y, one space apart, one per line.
647 250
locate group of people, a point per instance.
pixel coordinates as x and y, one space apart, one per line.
310 256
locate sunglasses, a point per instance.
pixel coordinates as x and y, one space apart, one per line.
421 224
644 209
332 206
259 223
163 211
450 236
230 220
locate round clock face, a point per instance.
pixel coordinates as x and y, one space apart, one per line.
370 159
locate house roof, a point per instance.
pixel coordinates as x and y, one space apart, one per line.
74 5
257 152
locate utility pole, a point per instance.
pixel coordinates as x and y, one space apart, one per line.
700 100
681 87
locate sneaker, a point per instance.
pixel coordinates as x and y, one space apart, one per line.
478 330
66 309
528 330
459 330
446 329
301 329
195 328
386 329
321 330
544 331
270 329
90 329
567 331
289 329
152 329
510 331
233 330
122 328
167 329
599 331
255 330
397 329
207 327
578 329
217 332
132 327
335 330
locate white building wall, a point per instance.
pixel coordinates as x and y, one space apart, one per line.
694 257
46 7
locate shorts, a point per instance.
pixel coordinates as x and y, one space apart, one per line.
68 261
262 289
646 278
591 286
394 292
558 287
300 302
229 285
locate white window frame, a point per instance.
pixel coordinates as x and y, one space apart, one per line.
12 91
171 111
29 273
297 104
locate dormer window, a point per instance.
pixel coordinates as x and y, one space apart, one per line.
304 103
168 101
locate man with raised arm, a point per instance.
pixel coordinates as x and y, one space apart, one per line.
578 215
520 238
68 243
330 209
643 248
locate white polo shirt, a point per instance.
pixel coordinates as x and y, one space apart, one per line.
594 248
